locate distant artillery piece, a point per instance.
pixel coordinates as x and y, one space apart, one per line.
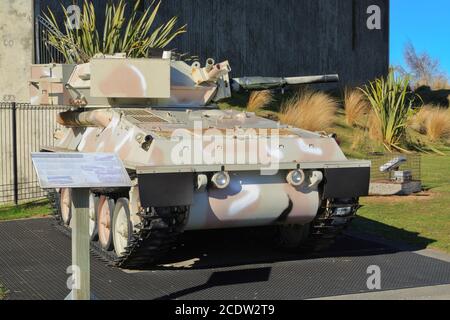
393 165
393 168
400 181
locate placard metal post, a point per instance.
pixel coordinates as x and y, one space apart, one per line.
80 172
81 244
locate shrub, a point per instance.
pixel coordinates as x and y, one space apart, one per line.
134 36
356 107
438 125
259 100
432 121
309 110
391 103
419 120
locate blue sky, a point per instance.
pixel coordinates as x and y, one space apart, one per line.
426 24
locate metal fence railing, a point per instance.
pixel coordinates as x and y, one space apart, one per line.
413 163
24 129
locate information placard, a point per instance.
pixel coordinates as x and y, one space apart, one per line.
80 170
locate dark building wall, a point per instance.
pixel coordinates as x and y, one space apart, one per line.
283 37
286 37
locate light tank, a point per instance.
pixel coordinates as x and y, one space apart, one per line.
194 166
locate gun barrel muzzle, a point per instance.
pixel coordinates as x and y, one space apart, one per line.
312 79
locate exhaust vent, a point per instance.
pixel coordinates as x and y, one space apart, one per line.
143 116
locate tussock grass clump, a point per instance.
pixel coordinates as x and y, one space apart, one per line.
309 110
374 127
432 121
356 107
419 120
259 100
440 83
438 125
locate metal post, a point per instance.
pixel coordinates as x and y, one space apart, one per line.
37 42
80 244
14 151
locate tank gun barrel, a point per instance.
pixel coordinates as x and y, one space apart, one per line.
265 83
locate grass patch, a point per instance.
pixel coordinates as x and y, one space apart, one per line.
309 110
259 100
3 292
422 220
39 208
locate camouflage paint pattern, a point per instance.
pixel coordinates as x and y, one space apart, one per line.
143 108
250 200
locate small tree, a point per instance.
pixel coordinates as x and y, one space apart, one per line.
425 70
134 35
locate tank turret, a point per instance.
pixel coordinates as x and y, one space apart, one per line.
164 82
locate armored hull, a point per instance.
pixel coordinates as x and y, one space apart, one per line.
195 167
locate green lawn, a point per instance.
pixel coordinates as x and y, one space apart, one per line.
28 210
422 220
3 292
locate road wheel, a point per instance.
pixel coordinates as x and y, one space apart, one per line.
93 212
122 227
104 222
66 205
292 237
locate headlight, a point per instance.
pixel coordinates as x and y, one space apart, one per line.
221 180
296 178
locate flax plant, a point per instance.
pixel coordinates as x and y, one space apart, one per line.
134 34
391 102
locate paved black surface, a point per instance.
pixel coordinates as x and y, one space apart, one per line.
239 264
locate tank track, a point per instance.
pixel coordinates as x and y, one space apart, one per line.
153 238
327 227
158 232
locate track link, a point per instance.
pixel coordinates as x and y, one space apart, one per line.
327 226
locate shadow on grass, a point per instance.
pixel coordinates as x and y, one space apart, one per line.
24 206
38 207
409 241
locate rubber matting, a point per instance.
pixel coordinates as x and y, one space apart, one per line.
217 265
